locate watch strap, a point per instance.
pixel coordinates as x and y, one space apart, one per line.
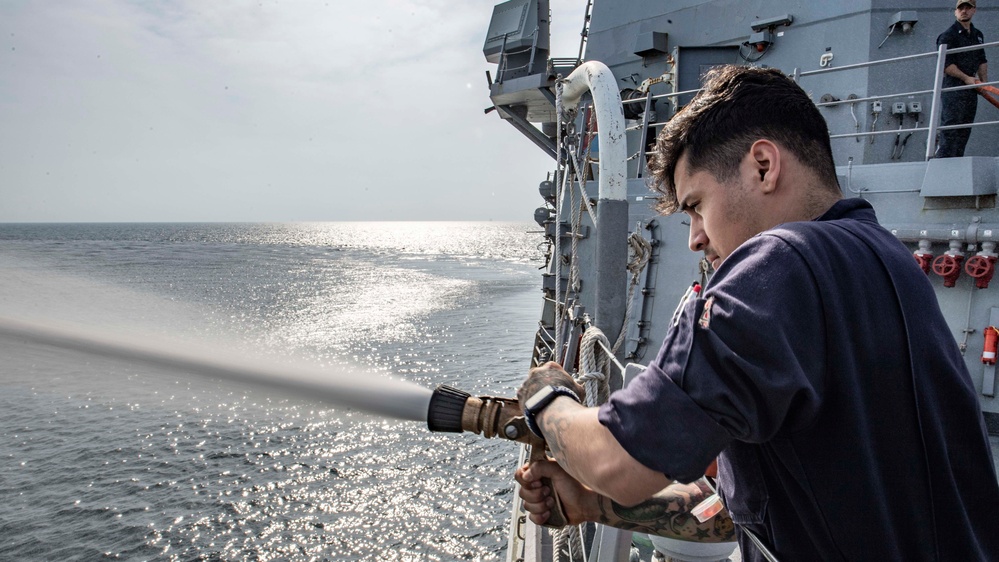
553 392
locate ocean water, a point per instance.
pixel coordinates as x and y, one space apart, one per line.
108 459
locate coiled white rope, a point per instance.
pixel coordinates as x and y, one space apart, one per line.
568 541
593 374
594 366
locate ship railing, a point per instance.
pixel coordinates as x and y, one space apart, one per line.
933 125
505 56
647 123
931 128
562 65
573 333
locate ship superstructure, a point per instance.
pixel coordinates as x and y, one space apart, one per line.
870 67
873 69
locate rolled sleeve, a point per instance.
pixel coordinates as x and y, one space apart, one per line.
662 427
738 367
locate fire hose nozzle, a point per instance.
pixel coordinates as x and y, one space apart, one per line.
454 411
446 407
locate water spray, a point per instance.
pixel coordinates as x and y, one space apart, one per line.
371 393
445 409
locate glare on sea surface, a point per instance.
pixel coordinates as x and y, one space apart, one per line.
172 468
370 281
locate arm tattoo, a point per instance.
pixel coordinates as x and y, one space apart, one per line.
555 425
667 514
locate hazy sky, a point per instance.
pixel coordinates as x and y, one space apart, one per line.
227 110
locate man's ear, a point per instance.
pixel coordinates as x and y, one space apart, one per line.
765 157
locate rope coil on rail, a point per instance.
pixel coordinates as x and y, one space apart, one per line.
594 366
568 542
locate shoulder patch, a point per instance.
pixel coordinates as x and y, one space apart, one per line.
705 321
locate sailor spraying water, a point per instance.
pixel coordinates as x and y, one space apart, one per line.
839 406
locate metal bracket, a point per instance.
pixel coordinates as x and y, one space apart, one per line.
530 131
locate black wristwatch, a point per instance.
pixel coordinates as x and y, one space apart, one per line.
541 399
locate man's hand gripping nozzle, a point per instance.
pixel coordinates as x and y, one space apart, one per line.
453 411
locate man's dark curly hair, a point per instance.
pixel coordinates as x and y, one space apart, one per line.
738 106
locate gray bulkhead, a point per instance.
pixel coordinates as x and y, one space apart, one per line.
950 199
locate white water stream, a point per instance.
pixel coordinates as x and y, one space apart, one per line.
371 393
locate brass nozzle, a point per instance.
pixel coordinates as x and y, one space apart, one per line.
453 410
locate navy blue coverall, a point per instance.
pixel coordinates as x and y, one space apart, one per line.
818 368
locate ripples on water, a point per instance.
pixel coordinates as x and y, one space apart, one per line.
106 459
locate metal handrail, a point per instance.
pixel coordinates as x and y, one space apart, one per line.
502 67
935 100
938 89
903 94
864 64
933 127
893 59
913 130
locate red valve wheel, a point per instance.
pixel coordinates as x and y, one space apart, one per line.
945 265
977 266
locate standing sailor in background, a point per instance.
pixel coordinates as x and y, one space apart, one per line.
961 68
815 365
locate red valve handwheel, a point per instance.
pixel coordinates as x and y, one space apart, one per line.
945 265
977 266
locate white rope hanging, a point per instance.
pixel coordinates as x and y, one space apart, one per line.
641 252
559 167
594 366
568 541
